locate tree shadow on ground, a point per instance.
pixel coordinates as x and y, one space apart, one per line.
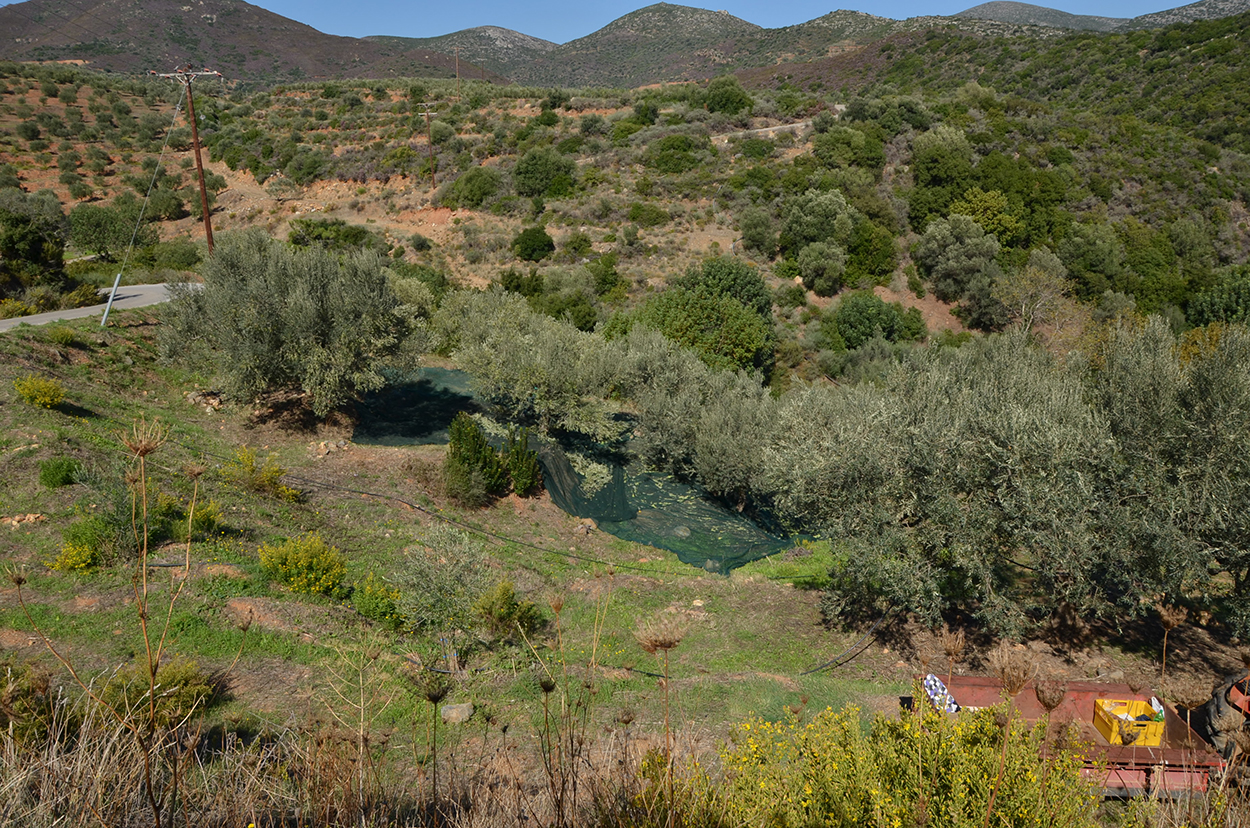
409 411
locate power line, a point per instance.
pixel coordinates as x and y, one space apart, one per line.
156 171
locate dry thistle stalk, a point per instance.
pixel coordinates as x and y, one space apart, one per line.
1171 617
144 437
1015 667
953 644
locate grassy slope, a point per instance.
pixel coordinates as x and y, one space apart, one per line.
746 643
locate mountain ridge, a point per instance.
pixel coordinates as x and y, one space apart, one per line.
657 43
1008 11
234 37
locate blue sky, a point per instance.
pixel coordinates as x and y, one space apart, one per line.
564 20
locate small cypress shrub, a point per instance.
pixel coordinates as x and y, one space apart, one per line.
306 564
472 464
503 613
522 462
58 471
39 392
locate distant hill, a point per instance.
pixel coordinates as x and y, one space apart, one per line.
1006 11
498 50
242 41
1204 10
659 42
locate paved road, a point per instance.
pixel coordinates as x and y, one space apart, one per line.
128 296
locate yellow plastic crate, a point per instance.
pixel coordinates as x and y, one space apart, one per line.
1107 713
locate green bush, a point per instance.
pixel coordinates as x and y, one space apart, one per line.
28 699
56 472
504 615
39 391
648 215
725 333
244 470
93 532
733 278
862 315
63 335
13 308
544 172
183 689
533 244
441 580
522 463
205 521
306 564
941 766
332 234
376 601
471 460
725 94
473 189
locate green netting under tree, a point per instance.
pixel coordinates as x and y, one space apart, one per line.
624 500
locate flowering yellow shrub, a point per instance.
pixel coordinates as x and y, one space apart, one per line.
306 564
919 769
76 557
39 391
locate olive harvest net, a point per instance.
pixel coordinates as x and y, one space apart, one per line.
624 499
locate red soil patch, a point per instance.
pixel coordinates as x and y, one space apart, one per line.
937 314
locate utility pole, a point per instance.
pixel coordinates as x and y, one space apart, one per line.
185 76
429 140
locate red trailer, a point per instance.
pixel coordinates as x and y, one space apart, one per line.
1182 763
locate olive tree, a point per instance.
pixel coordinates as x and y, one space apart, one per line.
270 318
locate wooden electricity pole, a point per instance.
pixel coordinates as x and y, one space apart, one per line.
185 76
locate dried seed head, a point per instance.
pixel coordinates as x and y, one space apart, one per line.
144 437
556 602
953 644
1050 693
246 623
625 717
1014 667
17 578
194 470
1190 692
546 684
1171 616
435 690
662 633
1000 718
